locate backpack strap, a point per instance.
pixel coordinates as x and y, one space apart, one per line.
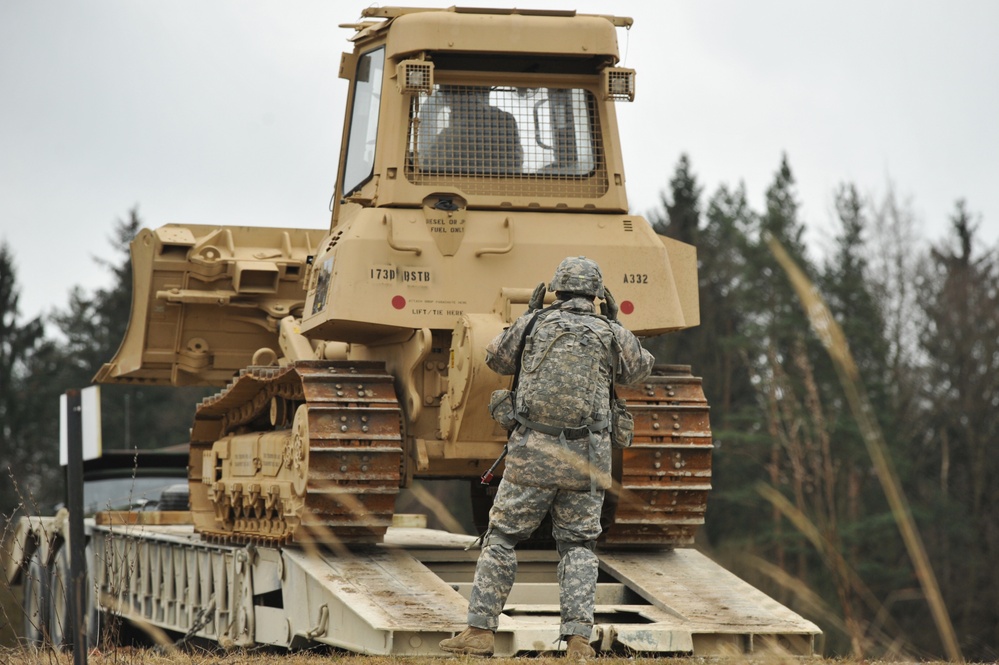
565 432
488 475
523 341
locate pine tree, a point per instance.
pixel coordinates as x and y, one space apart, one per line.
679 219
717 348
845 284
727 308
94 326
780 319
711 348
682 220
722 252
893 271
17 342
851 509
788 424
27 460
956 474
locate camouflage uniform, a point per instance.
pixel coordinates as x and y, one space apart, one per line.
542 460
547 474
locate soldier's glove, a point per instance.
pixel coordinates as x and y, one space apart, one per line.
537 298
609 306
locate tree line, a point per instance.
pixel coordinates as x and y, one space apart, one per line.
42 358
797 507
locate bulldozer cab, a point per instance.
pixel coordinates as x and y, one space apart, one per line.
479 149
444 100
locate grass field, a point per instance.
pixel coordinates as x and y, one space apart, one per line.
130 656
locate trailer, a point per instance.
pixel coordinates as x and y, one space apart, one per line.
398 598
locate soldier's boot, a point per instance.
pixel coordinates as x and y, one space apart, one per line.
579 648
472 641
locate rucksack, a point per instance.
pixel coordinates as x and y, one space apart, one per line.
565 373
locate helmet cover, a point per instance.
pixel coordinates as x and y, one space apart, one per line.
578 274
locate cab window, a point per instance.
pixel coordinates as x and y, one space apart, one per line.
360 161
543 138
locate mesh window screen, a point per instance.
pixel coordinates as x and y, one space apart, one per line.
499 140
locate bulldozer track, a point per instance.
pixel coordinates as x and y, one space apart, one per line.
662 481
352 467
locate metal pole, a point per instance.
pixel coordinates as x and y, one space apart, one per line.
76 584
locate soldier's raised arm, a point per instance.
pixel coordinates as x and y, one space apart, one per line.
634 362
501 354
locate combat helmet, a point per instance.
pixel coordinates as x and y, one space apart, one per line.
578 274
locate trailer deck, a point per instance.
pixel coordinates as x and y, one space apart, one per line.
404 596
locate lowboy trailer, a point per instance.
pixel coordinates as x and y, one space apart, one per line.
403 596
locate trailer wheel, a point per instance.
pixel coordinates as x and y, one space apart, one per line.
95 618
36 598
59 600
58 610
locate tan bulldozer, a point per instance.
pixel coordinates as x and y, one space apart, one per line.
480 148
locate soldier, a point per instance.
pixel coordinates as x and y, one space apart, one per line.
479 138
565 358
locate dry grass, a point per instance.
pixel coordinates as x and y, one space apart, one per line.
131 656
835 344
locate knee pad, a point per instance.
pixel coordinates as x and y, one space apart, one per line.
564 547
498 538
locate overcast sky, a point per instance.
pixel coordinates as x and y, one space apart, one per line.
230 112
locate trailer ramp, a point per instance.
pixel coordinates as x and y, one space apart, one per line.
401 598
677 602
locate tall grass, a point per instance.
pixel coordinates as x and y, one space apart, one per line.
834 341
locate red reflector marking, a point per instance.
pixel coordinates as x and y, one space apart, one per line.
398 302
627 307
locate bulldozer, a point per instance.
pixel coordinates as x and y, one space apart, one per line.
479 149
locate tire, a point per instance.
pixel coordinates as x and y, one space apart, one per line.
36 600
59 630
175 497
91 603
58 607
